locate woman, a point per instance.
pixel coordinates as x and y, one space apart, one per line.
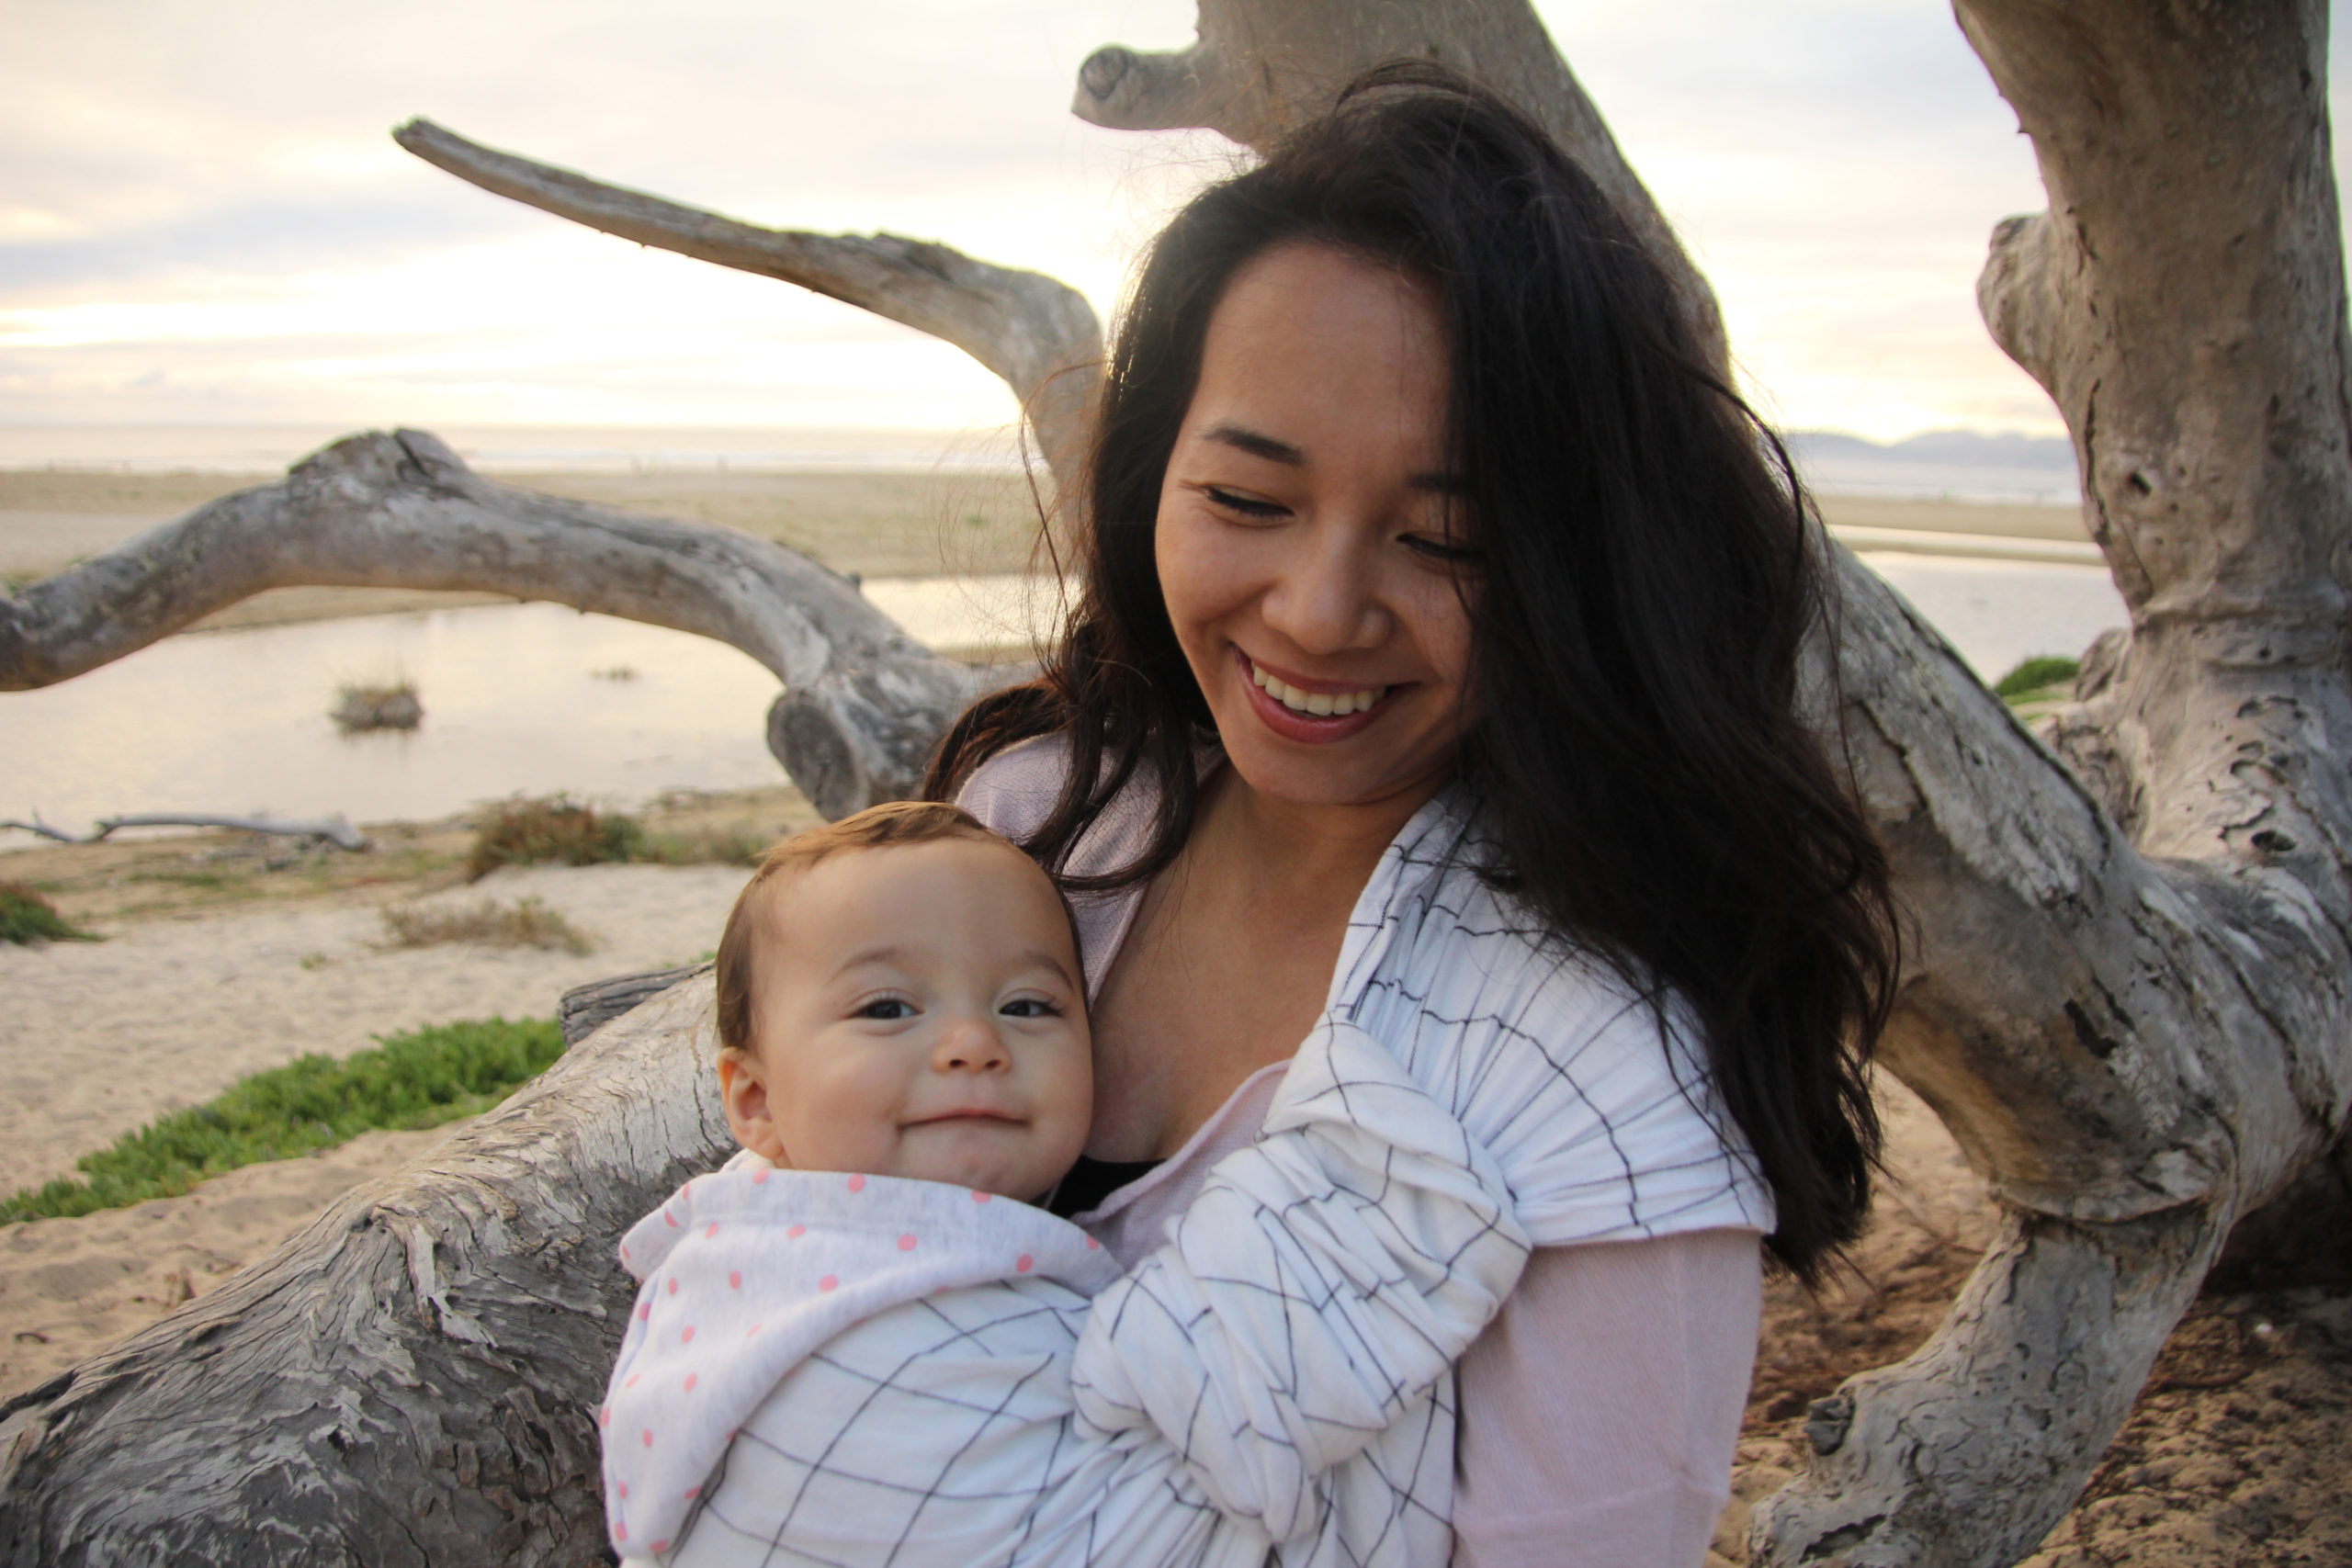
1436 665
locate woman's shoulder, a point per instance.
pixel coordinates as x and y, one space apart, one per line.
1593 1096
1014 791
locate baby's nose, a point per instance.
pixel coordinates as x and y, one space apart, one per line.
971 1046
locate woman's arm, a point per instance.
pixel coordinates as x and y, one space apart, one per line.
1321 1284
1601 1408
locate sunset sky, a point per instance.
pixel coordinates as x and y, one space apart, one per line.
203 219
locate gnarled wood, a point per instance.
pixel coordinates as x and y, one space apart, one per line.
862 701
1037 334
2183 301
411 1380
1260 67
336 830
2128 996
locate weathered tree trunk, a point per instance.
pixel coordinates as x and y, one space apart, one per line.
409 1380
2128 995
862 703
1260 67
2164 1038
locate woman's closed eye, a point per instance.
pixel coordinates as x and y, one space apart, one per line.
1245 505
1443 549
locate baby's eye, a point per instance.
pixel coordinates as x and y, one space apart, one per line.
886 1008
1030 1006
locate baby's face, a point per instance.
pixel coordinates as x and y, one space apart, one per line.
917 1011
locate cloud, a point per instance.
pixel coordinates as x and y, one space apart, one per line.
193 189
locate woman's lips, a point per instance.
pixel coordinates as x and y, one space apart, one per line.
1267 693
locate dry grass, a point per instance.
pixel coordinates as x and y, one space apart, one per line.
389 704
551 831
528 923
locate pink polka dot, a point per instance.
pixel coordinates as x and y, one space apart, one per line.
711 1232
649 1437
624 1252
761 1175
754 1329
686 1334
734 1279
980 1197
644 1311
828 1283
693 1492
659 1546
857 1184
1093 1245
605 1419
624 1491
620 1530
797 1231
692 1378
673 1284
907 1242
1022 1264
632 1379
669 1219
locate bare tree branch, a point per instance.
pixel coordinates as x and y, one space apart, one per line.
863 704
1038 334
335 830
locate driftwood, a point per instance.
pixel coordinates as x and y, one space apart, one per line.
334 830
862 701
2127 995
411 1380
587 1009
1037 334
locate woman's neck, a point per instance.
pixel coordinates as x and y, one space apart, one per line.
1310 848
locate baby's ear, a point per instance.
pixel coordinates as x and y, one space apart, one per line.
743 1090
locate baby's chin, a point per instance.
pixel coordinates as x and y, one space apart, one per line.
1005 1158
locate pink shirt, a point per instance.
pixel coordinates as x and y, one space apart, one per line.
1600 1410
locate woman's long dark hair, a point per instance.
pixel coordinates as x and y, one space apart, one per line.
1647 585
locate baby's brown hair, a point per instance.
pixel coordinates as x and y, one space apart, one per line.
878 827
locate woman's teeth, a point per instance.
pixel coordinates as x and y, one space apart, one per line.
1321 703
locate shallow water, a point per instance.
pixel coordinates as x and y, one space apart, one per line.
522 699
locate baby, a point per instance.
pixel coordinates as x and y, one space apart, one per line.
861 1342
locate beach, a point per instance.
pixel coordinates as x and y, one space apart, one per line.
225 955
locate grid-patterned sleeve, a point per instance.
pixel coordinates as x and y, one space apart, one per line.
1316 1292
1601 1115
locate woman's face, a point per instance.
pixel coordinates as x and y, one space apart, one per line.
1314 550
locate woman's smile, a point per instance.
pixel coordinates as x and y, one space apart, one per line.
1313 712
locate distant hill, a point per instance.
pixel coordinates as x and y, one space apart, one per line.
1959 464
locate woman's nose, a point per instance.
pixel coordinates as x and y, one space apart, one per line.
970 1045
1326 599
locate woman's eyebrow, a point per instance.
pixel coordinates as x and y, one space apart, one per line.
1258 444
1255 444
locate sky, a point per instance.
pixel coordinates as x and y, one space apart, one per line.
204 221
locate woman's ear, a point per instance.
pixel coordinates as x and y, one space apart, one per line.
743 1090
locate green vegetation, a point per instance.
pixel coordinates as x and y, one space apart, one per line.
25 918
421 1078
527 922
2035 678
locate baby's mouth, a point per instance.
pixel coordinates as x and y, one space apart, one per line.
1314 705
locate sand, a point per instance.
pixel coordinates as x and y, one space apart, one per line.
99 1038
